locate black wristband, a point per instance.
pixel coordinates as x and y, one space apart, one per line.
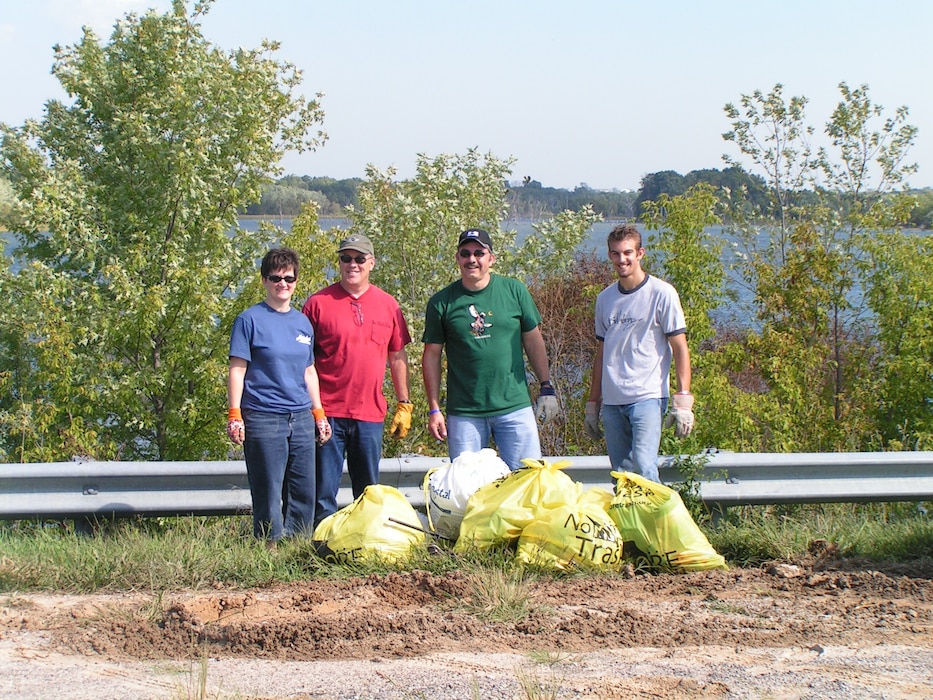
546 382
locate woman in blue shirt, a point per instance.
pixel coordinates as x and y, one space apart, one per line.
274 404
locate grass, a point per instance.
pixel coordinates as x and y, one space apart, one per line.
535 687
550 658
194 686
498 595
165 554
881 532
198 553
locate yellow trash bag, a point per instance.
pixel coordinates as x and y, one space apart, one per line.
574 535
654 517
381 523
598 496
500 510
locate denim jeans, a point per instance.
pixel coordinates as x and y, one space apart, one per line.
361 443
279 452
515 434
633 436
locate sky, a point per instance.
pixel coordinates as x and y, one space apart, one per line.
589 92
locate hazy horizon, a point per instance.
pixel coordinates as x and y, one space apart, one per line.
598 92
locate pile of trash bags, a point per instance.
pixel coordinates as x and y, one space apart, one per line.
476 502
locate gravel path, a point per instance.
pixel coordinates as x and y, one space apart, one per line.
29 669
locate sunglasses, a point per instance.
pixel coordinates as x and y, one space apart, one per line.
467 254
288 279
359 259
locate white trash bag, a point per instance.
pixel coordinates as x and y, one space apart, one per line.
448 488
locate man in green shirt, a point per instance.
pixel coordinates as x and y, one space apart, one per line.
485 322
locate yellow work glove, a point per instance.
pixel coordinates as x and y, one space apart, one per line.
401 421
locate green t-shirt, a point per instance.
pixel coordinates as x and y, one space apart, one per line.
482 335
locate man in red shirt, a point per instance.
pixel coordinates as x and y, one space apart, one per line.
358 328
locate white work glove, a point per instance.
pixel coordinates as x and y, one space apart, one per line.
681 414
546 407
591 421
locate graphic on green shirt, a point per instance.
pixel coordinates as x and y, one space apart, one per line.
479 324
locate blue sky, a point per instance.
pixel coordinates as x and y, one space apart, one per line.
590 92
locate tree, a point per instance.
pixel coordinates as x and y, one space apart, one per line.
655 184
116 345
6 197
901 295
684 253
804 256
774 134
921 216
283 201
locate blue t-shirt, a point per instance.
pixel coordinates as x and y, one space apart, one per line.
278 348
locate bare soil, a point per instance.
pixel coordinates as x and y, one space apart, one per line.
819 627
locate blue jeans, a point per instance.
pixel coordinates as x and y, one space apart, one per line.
361 443
633 436
279 452
515 433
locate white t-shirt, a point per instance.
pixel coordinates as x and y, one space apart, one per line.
634 327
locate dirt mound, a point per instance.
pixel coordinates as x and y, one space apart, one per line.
410 614
418 615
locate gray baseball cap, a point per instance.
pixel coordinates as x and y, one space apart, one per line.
357 241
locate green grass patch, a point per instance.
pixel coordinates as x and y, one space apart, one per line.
881 532
162 554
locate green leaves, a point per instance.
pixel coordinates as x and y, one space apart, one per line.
827 320
901 295
684 254
127 195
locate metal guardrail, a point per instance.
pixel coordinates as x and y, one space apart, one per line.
82 490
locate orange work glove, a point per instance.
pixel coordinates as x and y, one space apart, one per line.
236 431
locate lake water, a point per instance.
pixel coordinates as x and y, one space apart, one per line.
595 242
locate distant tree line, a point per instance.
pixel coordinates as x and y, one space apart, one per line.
755 192
286 196
673 184
529 199
921 216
